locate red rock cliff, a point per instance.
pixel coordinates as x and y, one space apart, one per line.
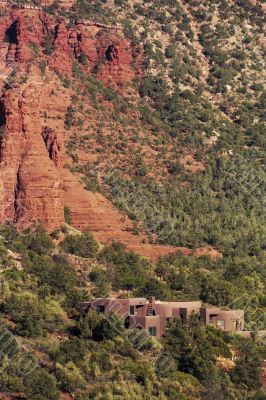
34 183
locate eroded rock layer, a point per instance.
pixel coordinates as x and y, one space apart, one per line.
35 185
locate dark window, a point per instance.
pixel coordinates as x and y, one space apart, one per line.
127 323
213 317
169 320
132 310
100 309
152 330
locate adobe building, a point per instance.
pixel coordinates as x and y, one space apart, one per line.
153 315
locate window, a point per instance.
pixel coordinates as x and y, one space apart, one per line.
152 330
100 309
220 324
132 310
169 320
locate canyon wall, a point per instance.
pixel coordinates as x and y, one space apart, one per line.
35 185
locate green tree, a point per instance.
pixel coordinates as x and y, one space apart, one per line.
88 323
70 377
110 327
80 245
41 385
67 215
248 368
191 349
40 241
156 288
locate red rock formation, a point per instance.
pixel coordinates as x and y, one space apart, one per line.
34 183
31 187
54 146
116 60
29 32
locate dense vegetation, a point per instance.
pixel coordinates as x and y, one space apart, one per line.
207 104
48 348
201 98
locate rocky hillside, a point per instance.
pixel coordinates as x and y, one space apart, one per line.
51 352
128 103
142 122
37 56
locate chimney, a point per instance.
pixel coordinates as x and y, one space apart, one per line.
151 306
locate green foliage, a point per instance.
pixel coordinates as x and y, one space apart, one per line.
69 119
34 47
170 51
93 10
247 370
121 3
72 350
80 245
97 346
190 94
43 66
127 269
88 323
48 44
58 275
39 241
101 282
192 350
67 215
70 377
154 287
110 327
33 317
74 297
40 385
216 291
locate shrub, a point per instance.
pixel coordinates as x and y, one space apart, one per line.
248 366
58 275
69 120
170 51
83 59
32 316
72 350
110 327
40 242
41 385
154 288
48 45
127 269
70 377
101 282
67 215
88 323
80 245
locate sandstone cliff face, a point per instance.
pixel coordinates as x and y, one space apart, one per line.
31 33
35 185
31 185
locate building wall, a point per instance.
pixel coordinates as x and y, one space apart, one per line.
233 320
227 320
